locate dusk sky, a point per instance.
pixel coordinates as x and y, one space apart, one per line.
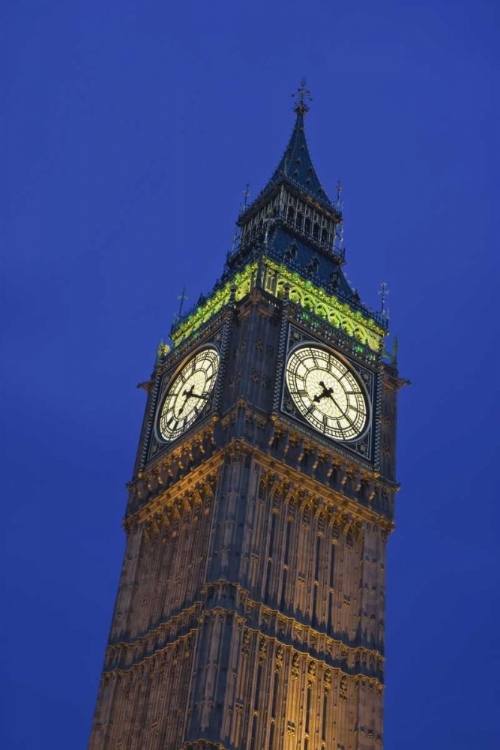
129 130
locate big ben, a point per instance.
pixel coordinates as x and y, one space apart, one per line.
251 604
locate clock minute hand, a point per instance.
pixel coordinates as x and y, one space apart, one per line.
196 395
344 414
336 403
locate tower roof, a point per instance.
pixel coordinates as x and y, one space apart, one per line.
296 167
296 164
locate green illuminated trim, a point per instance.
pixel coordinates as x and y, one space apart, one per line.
322 304
275 278
243 282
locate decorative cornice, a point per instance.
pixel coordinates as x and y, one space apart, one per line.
311 297
147 495
353 660
151 492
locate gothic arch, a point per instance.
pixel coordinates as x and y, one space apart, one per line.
334 318
308 303
347 326
360 334
296 296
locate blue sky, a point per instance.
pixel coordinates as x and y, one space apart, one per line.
129 131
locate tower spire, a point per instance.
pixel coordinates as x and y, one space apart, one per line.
295 166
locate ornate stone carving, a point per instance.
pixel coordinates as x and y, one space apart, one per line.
327 680
343 688
262 650
311 672
279 656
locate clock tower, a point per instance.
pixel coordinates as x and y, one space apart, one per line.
250 610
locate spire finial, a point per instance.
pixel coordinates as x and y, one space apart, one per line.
339 202
246 193
383 298
182 297
395 348
300 96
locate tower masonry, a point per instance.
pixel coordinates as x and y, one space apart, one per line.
251 604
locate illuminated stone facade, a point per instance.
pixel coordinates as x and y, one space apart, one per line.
250 610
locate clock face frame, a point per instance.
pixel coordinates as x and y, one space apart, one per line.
188 393
328 393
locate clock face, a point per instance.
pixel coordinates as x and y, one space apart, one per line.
327 393
188 393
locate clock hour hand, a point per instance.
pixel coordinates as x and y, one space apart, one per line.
187 395
327 392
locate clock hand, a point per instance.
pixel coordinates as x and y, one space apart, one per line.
187 395
337 405
344 414
186 399
327 392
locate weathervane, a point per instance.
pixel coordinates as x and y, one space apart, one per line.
383 298
300 96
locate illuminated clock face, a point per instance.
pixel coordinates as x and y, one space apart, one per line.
327 393
188 394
